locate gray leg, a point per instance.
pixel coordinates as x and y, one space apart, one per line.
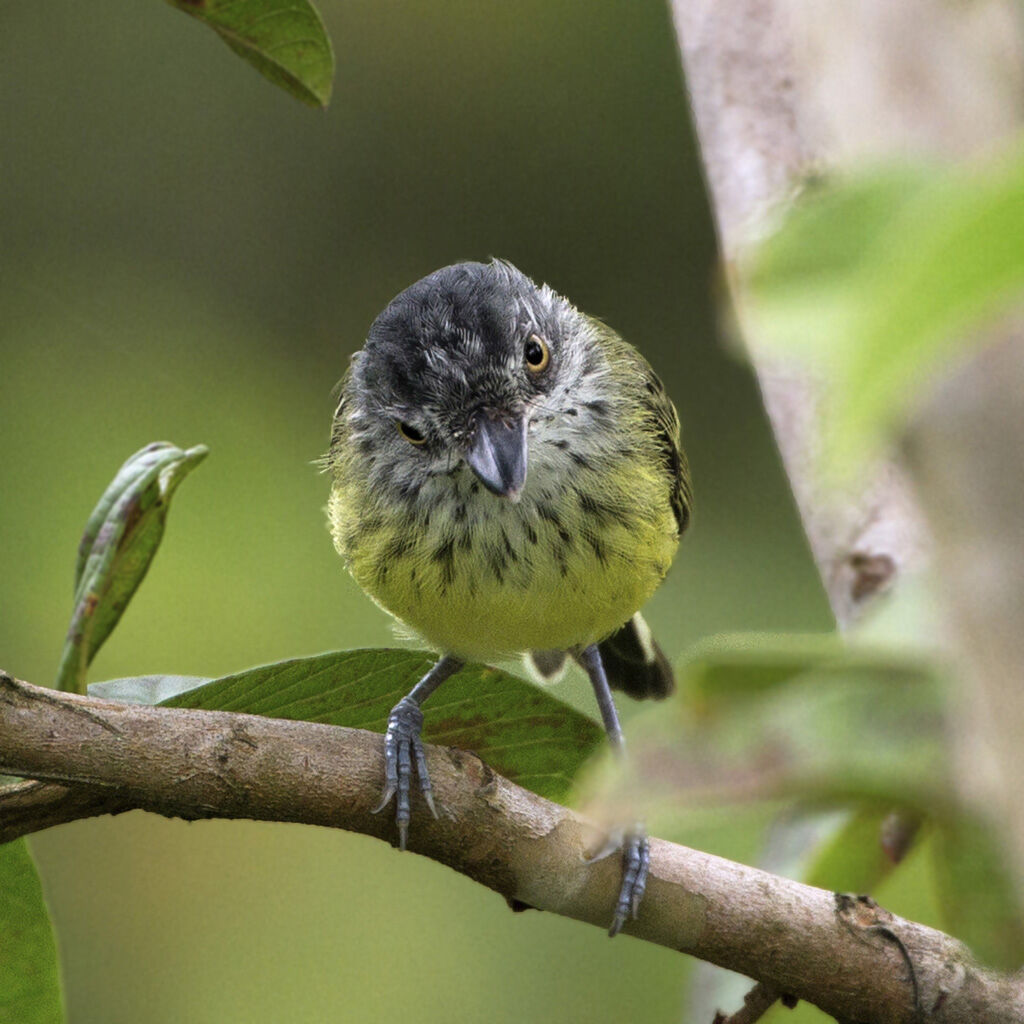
402 743
636 853
590 659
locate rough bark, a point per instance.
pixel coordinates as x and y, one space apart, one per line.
95 756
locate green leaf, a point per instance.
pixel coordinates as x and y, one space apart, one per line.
841 733
953 260
882 280
737 667
520 730
284 40
790 719
977 897
802 278
834 225
854 857
120 541
30 988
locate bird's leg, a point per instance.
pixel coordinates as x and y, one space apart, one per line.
402 743
636 854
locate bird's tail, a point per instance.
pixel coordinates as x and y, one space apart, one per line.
635 663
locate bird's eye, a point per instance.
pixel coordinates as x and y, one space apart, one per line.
410 433
536 353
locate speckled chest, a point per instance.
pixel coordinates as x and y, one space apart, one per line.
481 575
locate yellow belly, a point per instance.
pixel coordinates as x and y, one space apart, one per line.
506 578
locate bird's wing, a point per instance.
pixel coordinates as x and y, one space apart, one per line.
664 421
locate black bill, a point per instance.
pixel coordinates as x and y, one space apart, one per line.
498 455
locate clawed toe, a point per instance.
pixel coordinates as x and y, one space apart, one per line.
403 746
636 862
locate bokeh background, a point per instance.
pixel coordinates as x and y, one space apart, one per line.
190 255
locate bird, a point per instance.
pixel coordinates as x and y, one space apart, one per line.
507 480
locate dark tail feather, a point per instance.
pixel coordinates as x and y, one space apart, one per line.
634 662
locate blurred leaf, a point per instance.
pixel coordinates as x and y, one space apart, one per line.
896 273
953 260
803 277
120 540
845 732
284 40
854 858
759 719
977 897
833 226
521 731
30 988
145 689
731 669
734 667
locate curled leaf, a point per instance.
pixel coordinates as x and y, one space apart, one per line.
284 40
119 543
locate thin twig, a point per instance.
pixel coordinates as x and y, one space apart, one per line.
756 1003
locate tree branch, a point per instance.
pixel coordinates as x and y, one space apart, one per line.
757 1002
27 807
98 757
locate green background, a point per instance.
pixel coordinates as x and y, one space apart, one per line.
190 255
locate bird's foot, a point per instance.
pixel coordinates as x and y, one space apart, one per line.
402 743
636 862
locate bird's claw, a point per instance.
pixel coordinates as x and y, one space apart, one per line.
636 862
403 745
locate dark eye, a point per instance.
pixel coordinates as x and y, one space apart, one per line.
536 353
410 433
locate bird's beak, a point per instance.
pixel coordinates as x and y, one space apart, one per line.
498 454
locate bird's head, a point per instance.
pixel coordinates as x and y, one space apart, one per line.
474 366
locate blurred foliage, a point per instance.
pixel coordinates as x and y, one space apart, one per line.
120 540
853 858
284 40
30 990
977 899
781 724
761 719
899 269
